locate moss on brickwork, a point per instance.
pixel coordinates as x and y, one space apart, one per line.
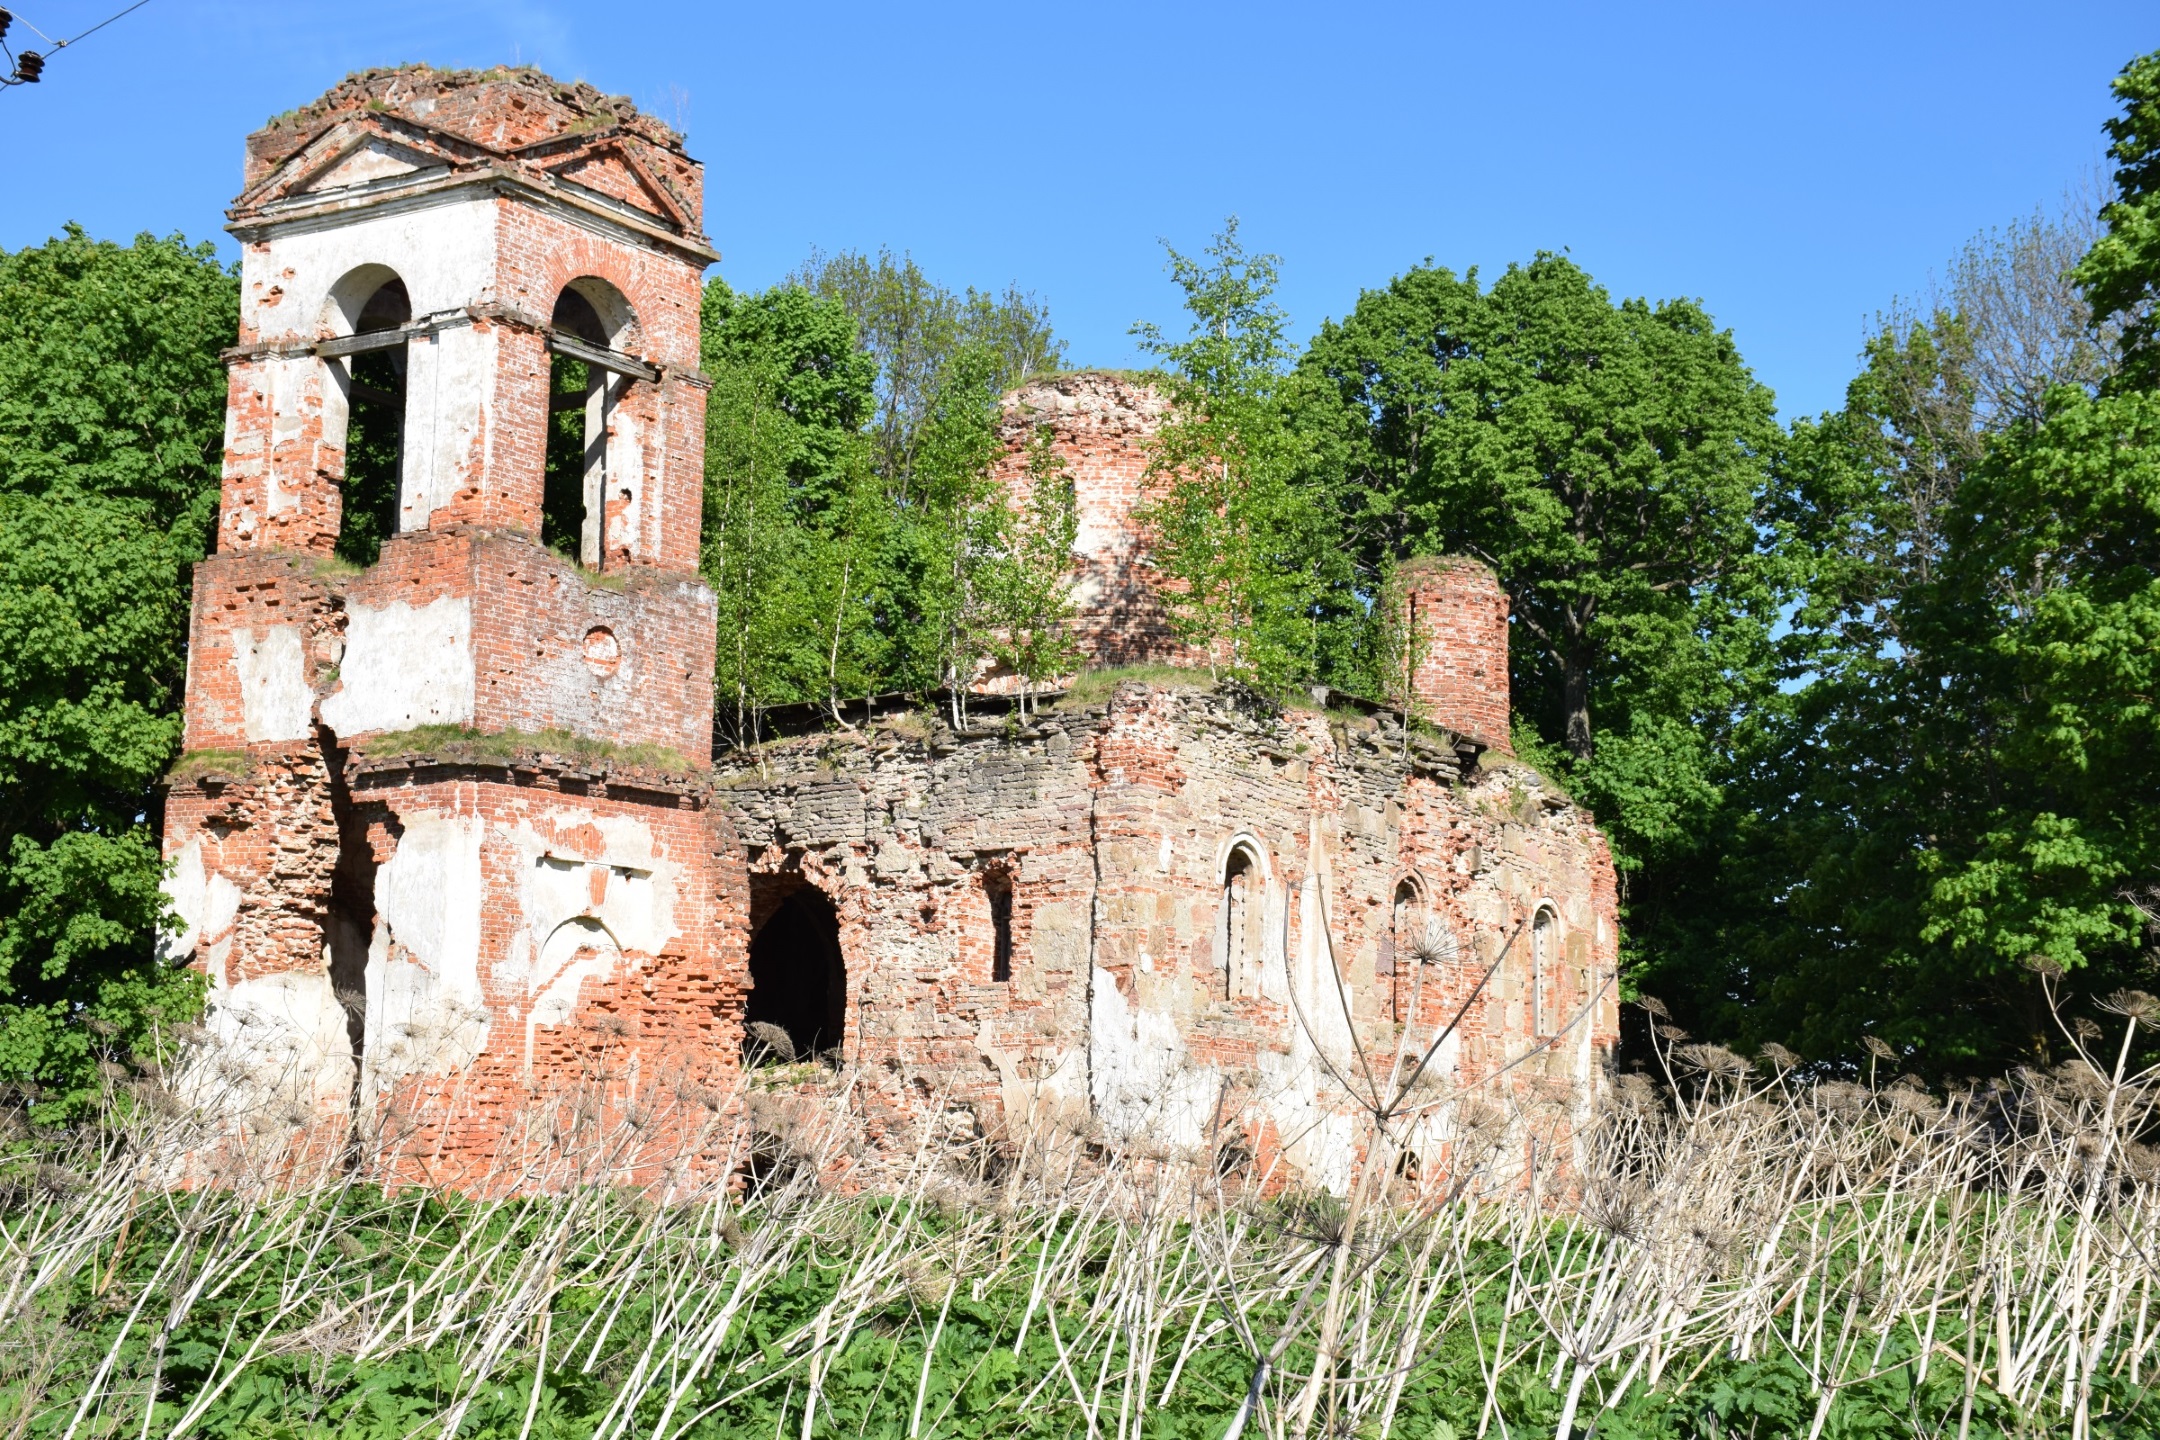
459 742
207 764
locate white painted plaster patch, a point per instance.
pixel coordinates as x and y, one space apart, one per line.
206 903
404 667
279 1050
424 1002
275 702
1143 1081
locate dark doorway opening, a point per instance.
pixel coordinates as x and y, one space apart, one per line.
572 491
374 430
798 978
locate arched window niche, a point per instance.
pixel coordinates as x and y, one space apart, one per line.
1399 948
363 415
587 489
1241 920
1543 966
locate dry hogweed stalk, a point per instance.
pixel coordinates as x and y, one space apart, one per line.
1779 1255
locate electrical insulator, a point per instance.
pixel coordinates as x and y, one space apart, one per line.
5 20
28 66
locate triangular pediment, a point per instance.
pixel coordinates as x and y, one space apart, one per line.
609 170
348 156
373 159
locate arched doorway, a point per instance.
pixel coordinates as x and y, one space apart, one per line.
798 978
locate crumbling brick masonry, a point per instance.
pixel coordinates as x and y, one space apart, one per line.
449 833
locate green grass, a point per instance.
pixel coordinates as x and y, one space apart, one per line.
197 764
460 742
1091 688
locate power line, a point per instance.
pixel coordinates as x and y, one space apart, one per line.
28 66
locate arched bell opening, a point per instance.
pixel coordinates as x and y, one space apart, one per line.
583 397
365 412
798 981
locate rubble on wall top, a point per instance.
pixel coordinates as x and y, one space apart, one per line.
1103 400
417 90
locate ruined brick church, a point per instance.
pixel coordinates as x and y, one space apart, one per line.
453 824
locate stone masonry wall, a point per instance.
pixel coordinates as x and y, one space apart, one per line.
1116 821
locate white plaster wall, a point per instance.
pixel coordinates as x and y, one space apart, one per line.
206 903
580 912
294 385
1145 1085
449 394
275 701
424 1002
278 1050
404 666
444 251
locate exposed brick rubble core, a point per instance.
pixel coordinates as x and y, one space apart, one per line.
449 837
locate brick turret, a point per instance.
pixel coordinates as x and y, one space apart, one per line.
1100 424
1457 617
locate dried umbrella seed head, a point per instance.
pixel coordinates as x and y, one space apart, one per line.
2134 1005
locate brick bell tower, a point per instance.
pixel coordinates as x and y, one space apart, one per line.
441 825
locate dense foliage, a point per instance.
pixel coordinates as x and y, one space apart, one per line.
112 417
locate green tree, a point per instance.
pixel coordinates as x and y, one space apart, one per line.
1944 794
1609 462
1235 523
784 454
912 328
2121 273
962 519
112 410
1034 607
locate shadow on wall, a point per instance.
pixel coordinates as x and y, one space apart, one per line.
798 978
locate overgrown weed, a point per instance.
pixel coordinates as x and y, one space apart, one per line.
1729 1249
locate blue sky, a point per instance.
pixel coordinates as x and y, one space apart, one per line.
1792 167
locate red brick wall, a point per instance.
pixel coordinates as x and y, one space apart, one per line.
280 488
240 595
663 1022
1459 625
532 614
1101 424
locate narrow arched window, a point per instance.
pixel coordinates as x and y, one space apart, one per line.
1240 923
1544 932
1399 950
998 888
